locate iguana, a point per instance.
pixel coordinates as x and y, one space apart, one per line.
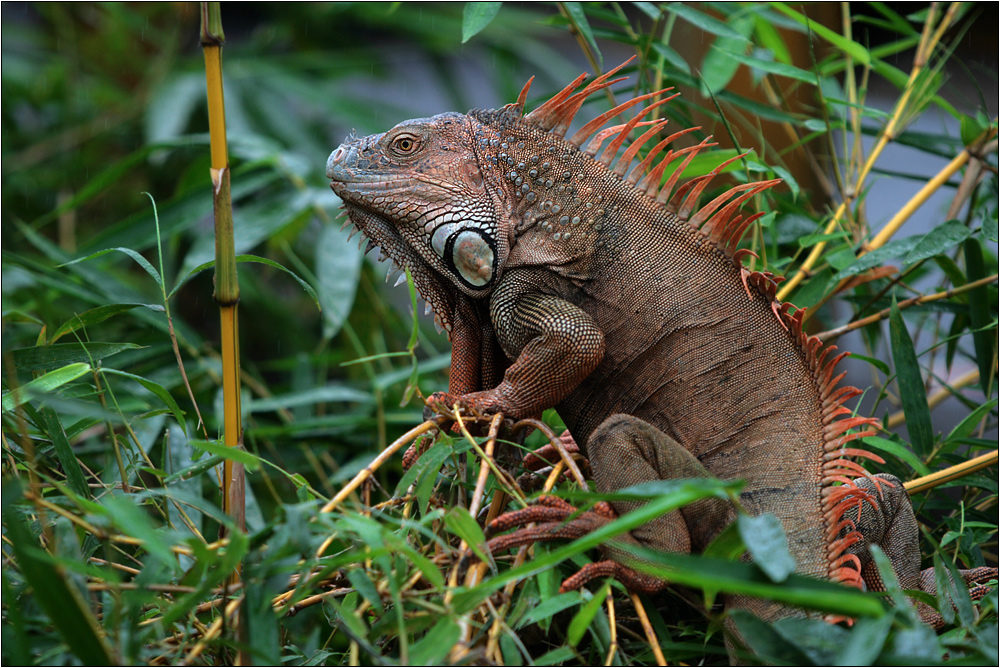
568 278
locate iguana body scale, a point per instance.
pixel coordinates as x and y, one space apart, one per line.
569 277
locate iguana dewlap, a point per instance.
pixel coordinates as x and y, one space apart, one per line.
569 277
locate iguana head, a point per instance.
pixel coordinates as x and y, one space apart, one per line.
422 193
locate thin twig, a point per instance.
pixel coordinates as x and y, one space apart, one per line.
923 299
654 643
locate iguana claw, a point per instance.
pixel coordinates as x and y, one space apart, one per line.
560 520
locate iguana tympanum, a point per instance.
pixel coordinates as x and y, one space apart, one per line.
566 280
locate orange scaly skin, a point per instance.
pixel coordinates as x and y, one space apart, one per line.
569 279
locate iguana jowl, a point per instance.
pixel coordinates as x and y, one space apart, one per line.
567 279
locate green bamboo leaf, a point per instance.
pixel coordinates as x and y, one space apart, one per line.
43 385
897 450
850 47
156 389
765 540
579 19
965 428
582 620
352 625
878 257
64 452
865 642
220 449
911 384
877 363
258 260
556 657
942 238
338 271
462 524
218 564
41 358
766 642
262 630
709 24
433 648
60 601
309 397
142 262
365 587
672 57
133 521
548 608
747 579
813 239
96 315
430 571
981 317
476 16
773 67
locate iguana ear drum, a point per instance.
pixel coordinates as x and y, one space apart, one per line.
471 255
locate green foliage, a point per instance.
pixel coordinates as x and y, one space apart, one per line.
111 399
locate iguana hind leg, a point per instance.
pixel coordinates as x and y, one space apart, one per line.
891 525
640 453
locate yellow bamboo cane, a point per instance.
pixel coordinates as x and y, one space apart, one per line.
227 290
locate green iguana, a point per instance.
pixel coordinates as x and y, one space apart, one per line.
566 279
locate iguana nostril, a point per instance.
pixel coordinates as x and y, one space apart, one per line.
333 162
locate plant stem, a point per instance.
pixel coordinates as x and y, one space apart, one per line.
923 299
951 473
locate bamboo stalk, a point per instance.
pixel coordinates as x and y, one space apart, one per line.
928 41
226 294
951 473
227 290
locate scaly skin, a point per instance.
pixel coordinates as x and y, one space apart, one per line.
566 281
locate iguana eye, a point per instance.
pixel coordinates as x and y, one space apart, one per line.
404 145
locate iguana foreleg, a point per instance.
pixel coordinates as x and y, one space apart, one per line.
555 345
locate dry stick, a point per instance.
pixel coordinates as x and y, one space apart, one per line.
556 443
460 649
292 610
522 553
654 642
613 645
923 299
927 44
367 472
951 473
213 631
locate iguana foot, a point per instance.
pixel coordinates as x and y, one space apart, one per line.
560 520
888 521
970 578
443 403
547 455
